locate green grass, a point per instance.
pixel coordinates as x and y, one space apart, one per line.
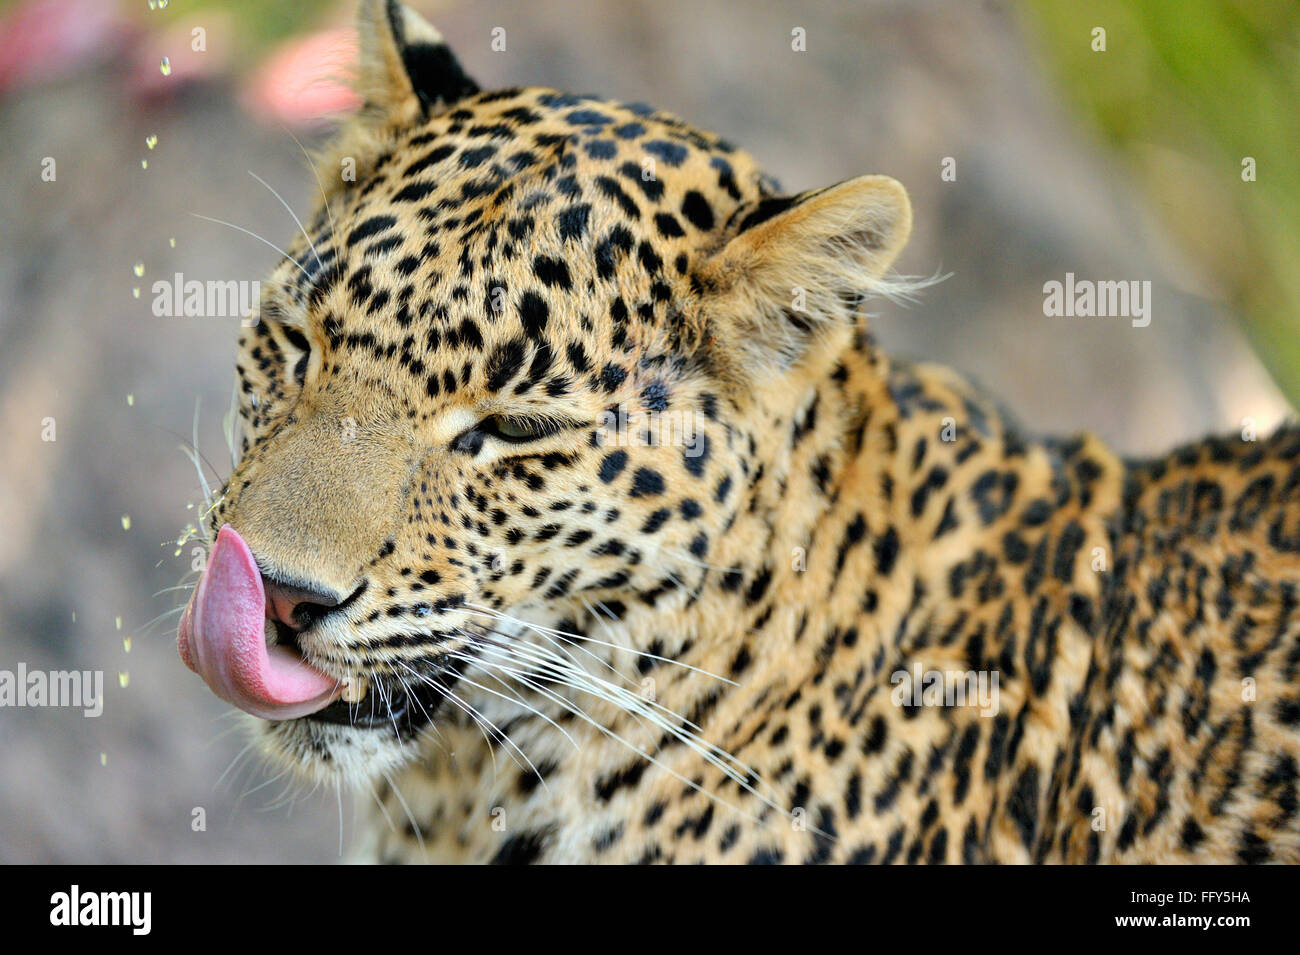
258 23
1185 90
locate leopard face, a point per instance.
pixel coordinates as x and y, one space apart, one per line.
512 371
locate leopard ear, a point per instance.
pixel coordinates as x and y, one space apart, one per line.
407 69
795 268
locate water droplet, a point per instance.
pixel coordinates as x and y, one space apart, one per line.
103 759
162 4
153 4
151 140
118 622
165 68
74 616
138 269
130 400
126 644
135 292
123 679
144 164
172 242
126 522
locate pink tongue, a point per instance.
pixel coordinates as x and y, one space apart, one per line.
222 638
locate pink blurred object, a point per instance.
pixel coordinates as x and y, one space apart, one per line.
46 39
305 81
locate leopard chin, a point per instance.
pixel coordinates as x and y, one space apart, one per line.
245 636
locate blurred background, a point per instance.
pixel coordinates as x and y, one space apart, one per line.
1166 150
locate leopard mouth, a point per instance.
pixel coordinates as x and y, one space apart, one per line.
223 637
403 708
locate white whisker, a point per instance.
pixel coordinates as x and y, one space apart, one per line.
319 185
401 801
296 220
259 238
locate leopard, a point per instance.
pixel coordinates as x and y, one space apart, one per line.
579 517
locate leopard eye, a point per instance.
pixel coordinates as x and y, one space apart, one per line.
517 429
512 429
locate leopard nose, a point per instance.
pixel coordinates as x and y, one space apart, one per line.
298 605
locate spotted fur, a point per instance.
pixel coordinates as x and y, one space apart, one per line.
520 263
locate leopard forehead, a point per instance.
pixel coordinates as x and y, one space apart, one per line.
527 239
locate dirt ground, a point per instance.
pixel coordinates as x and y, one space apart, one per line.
886 86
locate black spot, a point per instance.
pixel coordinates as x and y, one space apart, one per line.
1067 546
587 117
577 356
1193 835
572 222
414 192
473 158
607 787
619 241
649 258
1023 806
601 149
613 465
521 849
695 456
437 155
700 545
614 191
653 188
506 362
371 227
552 272
645 482
697 210
655 396
671 153
886 552
656 520
533 312
758 587
611 377
1253 850
668 225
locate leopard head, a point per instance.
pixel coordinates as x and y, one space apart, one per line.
511 370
